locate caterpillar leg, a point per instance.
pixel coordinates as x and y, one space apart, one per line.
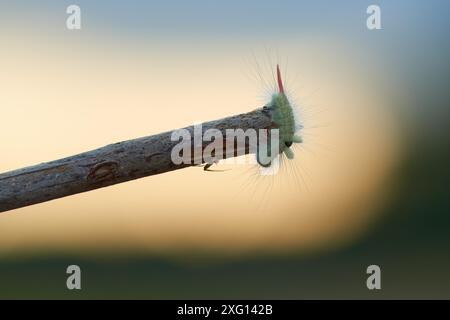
208 165
297 139
289 153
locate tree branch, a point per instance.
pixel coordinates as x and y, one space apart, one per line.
112 164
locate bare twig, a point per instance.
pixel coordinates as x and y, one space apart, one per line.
109 165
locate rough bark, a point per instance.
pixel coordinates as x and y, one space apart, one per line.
112 164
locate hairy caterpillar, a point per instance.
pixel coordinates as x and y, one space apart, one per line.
284 118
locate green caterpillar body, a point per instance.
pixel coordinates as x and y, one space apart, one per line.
283 118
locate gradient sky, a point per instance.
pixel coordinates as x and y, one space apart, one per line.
141 67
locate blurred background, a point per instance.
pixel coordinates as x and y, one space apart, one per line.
370 185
